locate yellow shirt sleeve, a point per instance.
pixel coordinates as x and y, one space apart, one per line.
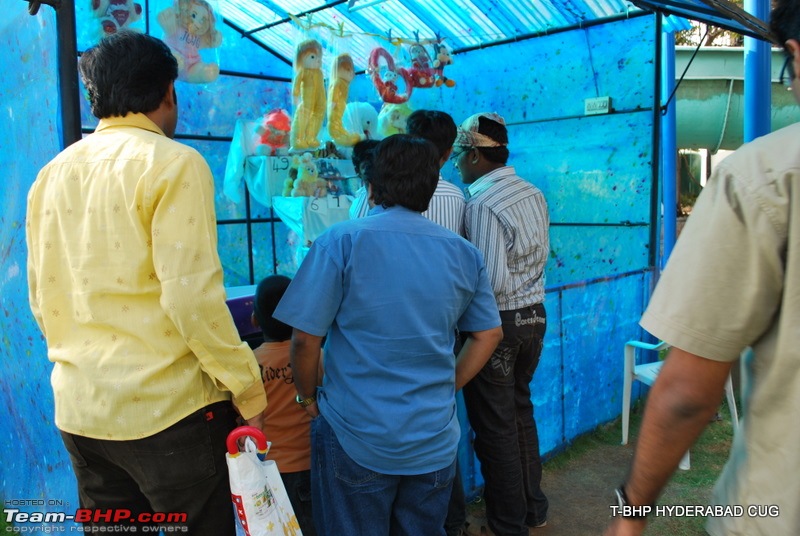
186 262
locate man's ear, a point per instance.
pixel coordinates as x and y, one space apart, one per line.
474 155
171 97
254 320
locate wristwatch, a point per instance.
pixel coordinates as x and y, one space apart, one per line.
626 509
305 402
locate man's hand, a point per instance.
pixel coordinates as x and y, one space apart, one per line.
257 421
622 526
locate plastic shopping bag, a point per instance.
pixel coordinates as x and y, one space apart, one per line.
259 496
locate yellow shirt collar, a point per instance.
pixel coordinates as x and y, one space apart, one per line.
136 120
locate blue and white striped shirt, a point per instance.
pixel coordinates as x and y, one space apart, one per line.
507 219
446 207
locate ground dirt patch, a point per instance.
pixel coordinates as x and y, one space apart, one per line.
579 482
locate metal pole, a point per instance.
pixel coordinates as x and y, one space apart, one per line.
757 80
68 74
669 146
655 193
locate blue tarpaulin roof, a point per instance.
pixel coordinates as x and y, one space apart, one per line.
462 24
278 24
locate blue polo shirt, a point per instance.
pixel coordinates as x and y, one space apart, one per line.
388 291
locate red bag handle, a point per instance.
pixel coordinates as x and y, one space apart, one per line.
246 431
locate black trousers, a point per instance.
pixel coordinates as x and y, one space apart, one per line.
155 480
499 407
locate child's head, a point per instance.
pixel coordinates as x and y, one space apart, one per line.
268 293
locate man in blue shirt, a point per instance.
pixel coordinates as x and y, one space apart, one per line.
389 292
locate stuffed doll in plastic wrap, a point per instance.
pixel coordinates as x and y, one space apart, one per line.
189 26
342 74
115 15
421 72
272 136
308 90
394 84
307 182
362 118
392 119
442 58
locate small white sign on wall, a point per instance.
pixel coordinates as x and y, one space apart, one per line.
596 106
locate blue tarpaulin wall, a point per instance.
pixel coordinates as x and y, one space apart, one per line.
595 171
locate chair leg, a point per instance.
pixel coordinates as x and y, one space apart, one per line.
686 463
627 382
732 404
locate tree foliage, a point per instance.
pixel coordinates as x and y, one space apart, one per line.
710 36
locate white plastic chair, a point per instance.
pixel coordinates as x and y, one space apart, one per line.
647 374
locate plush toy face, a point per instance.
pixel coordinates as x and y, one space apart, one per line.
419 56
345 72
199 20
312 60
444 56
398 120
308 171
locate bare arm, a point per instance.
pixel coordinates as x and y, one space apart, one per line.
686 394
305 358
475 353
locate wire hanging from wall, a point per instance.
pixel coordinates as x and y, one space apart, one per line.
591 62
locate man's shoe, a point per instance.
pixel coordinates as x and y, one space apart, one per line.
533 528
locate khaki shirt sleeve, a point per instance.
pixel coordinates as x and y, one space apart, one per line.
722 286
186 262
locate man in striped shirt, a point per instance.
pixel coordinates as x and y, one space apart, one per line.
447 205
507 219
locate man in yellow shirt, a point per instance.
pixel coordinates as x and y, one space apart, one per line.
126 286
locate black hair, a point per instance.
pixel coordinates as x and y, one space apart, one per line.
435 126
499 133
269 292
361 153
404 171
785 21
127 72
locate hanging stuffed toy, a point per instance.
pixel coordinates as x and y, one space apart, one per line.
442 58
187 29
392 119
115 15
342 74
361 118
386 78
273 133
421 73
309 93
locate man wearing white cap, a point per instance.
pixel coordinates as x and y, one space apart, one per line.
507 219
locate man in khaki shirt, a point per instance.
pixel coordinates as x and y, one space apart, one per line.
733 281
126 286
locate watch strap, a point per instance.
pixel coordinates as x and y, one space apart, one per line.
305 402
626 509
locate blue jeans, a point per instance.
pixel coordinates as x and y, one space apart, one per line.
352 500
500 410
